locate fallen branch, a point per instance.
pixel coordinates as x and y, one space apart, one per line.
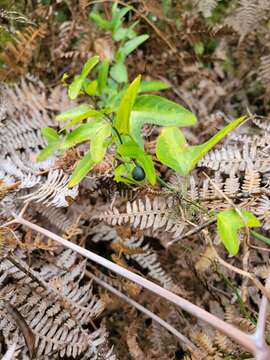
252 343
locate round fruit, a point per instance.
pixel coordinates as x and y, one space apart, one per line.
138 173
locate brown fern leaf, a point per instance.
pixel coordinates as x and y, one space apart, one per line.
262 210
262 123
148 259
252 182
18 53
232 185
233 318
205 343
206 6
264 71
55 306
222 342
144 215
233 158
262 271
132 342
248 16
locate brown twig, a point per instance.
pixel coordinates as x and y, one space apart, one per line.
193 231
235 269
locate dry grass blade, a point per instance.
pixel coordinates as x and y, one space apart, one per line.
23 326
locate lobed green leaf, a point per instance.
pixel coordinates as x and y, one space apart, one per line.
229 222
153 109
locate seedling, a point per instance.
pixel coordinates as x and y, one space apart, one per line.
115 115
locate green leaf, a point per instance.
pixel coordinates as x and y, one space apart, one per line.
75 87
53 139
199 48
228 224
123 173
132 150
170 149
114 100
82 169
117 15
130 46
98 135
90 87
153 109
80 134
50 134
120 34
98 142
47 151
78 113
77 84
119 72
173 150
147 86
131 33
89 65
100 21
126 105
103 75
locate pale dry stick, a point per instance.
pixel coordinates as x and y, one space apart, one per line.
145 311
250 343
259 336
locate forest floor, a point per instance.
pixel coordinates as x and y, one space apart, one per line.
214 59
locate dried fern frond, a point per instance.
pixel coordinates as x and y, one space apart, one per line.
102 232
262 123
232 158
29 109
264 70
56 217
148 259
19 53
252 182
232 317
145 215
53 191
58 313
262 210
233 186
248 16
205 343
67 32
206 6
132 342
262 271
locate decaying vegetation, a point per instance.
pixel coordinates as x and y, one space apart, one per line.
56 301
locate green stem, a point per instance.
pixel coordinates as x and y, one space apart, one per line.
118 135
163 183
260 237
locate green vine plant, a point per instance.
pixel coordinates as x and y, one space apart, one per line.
114 116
